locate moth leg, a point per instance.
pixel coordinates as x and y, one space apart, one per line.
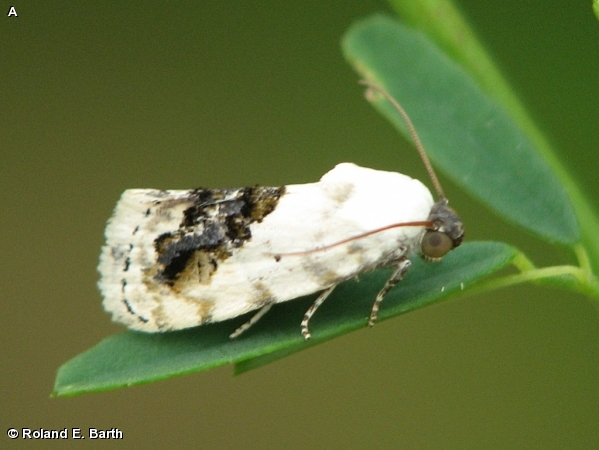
321 298
255 318
402 267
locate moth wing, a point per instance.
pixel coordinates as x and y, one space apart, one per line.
217 285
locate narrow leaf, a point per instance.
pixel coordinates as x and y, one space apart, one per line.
468 134
133 358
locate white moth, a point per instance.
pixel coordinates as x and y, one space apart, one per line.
179 259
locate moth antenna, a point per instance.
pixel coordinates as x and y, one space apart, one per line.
415 138
421 223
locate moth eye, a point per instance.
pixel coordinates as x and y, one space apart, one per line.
436 244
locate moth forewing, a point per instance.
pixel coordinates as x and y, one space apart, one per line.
178 259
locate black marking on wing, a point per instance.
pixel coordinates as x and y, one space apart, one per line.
128 306
217 222
131 311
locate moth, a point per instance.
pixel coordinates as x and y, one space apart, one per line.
176 259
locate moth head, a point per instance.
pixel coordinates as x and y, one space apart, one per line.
445 234
446 229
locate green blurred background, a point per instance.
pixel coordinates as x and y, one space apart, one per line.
98 97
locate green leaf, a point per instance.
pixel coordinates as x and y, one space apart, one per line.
133 358
442 22
467 133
